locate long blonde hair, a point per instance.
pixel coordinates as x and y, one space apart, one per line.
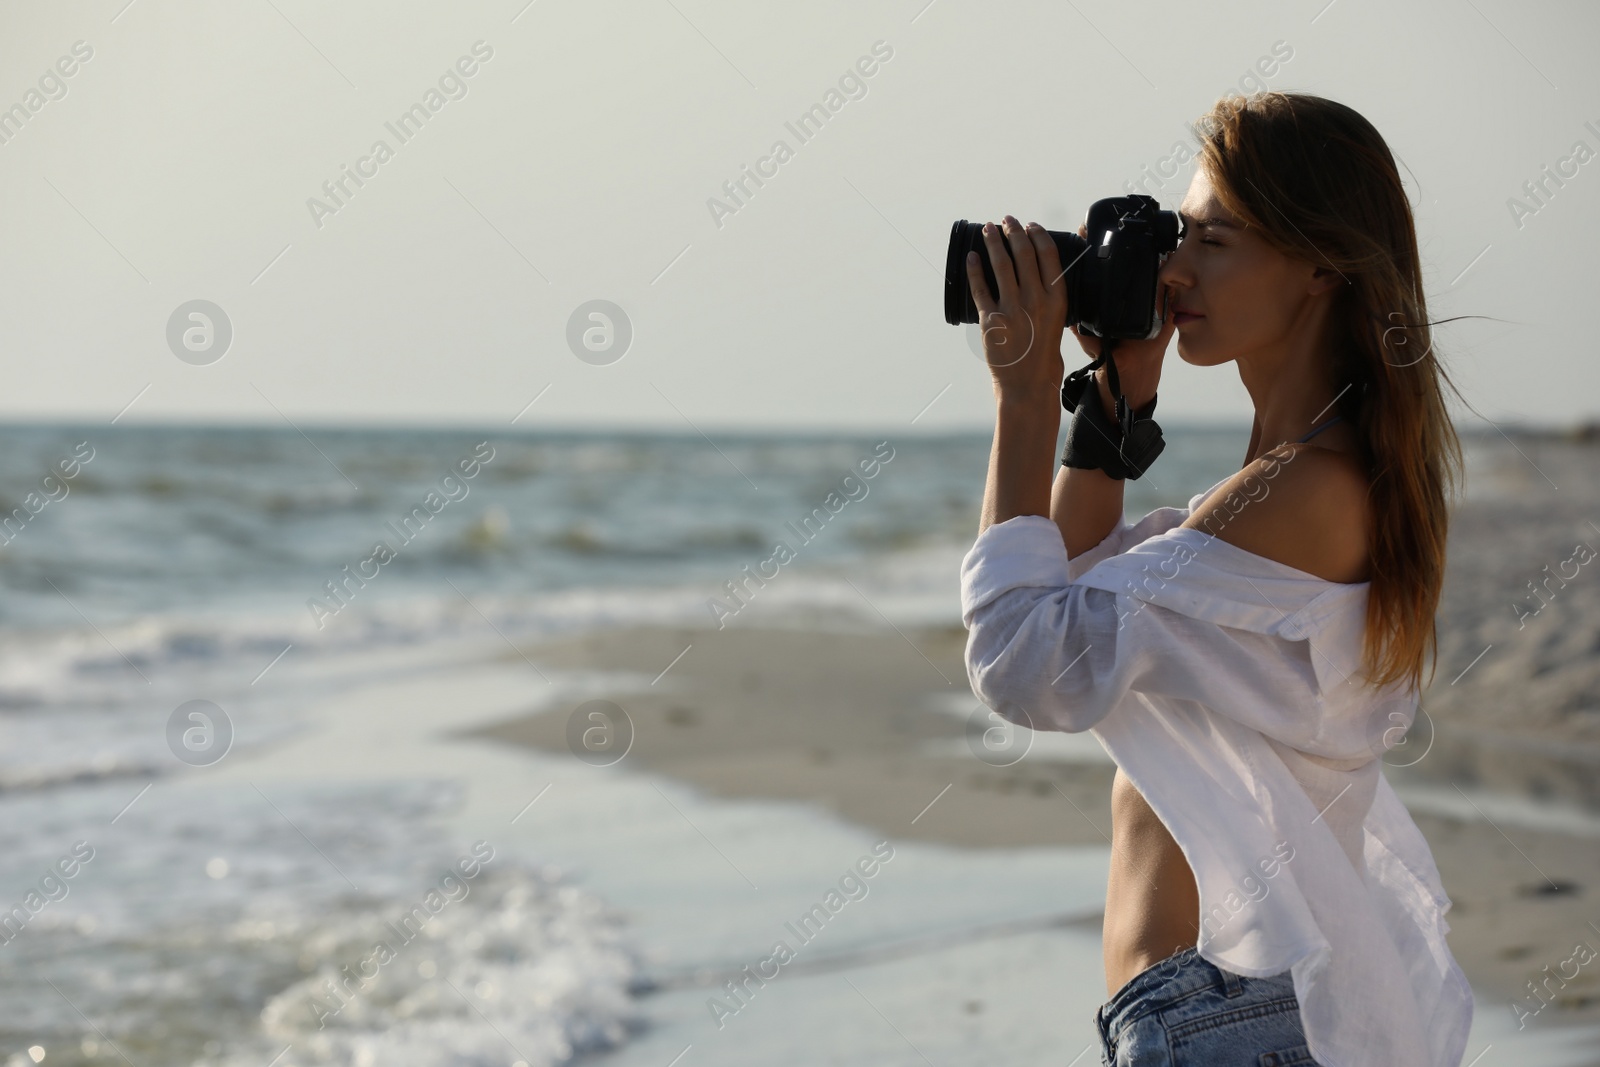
1317 181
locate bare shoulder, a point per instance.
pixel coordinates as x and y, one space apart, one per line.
1300 505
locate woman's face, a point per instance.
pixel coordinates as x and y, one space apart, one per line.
1243 297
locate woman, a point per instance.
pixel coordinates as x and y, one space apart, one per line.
1246 660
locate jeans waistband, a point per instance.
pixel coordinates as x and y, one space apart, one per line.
1181 973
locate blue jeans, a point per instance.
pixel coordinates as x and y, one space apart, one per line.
1185 1012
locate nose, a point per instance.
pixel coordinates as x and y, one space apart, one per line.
1175 267
1175 274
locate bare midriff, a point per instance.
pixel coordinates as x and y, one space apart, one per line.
1152 906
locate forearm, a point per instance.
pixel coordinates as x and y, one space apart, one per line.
1086 505
1022 458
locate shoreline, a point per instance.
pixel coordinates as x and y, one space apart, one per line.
861 724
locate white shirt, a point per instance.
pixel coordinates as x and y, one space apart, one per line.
1227 688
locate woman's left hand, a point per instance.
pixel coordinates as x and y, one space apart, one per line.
1022 331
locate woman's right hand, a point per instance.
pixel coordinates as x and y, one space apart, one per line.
1138 362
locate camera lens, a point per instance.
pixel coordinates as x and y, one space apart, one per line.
967 237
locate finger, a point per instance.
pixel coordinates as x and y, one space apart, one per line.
1028 280
1169 326
1049 259
980 288
1000 260
1169 320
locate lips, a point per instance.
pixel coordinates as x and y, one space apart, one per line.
1183 315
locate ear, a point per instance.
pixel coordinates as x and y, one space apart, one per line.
1323 279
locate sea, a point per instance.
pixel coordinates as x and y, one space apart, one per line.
227 656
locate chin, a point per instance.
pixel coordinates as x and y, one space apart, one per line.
1201 358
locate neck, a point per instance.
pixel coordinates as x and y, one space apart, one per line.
1289 386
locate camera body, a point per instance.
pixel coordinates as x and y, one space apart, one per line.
1111 278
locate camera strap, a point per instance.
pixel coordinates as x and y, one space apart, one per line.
1123 451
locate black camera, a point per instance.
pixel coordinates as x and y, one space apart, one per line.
1111 277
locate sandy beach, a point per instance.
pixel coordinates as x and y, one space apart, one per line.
877 726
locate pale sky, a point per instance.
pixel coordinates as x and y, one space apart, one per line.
575 163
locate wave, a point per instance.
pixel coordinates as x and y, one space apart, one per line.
202 929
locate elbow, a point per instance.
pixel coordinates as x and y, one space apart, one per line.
1029 658
1042 711
1019 709
1033 691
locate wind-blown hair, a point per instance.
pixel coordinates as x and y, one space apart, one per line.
1319 184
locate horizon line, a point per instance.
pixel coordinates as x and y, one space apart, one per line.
1582 428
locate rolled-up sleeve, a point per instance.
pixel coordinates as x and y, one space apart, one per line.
1046 652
